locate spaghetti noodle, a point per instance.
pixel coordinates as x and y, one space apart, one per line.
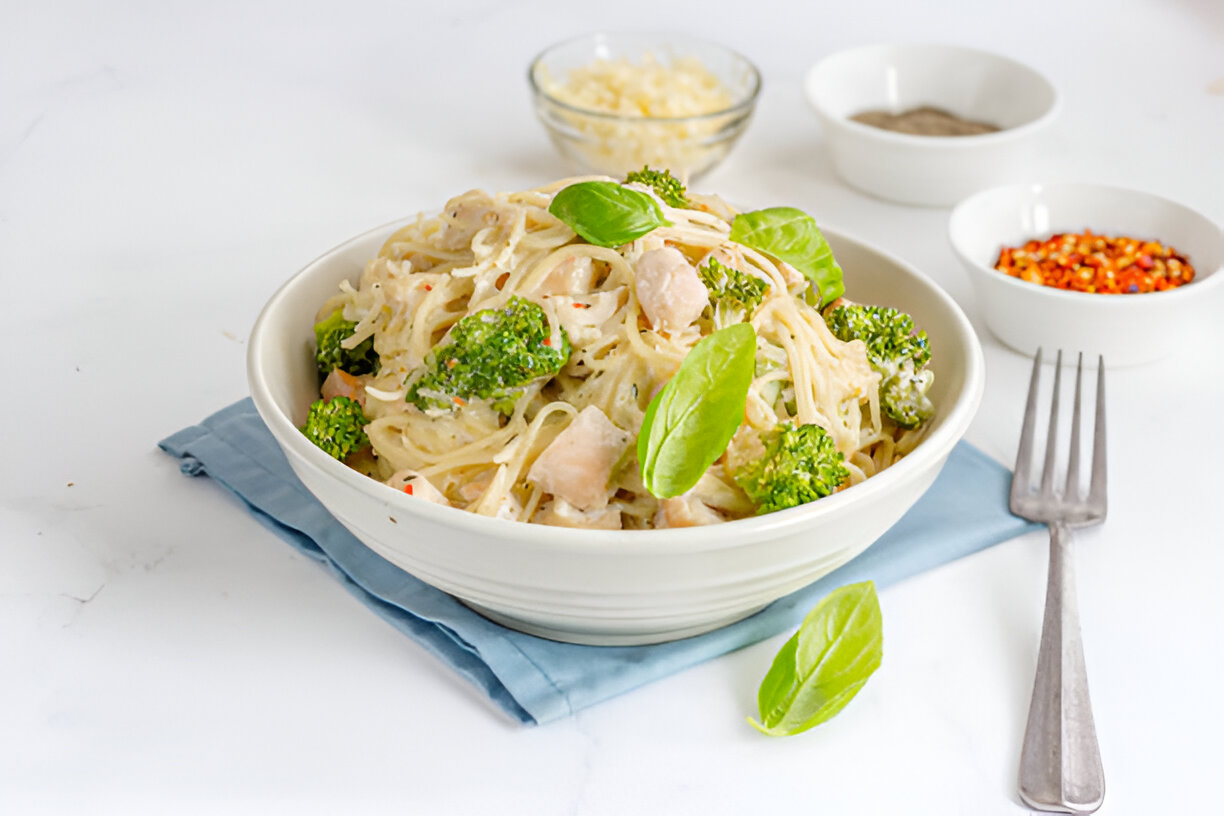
576 427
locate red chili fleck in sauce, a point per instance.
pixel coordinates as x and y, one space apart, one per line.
408 489
1088 262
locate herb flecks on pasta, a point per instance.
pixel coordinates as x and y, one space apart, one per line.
506 365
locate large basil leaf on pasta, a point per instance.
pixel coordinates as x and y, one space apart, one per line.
606 214
690 421
791 235
838 646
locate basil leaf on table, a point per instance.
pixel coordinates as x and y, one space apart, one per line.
791 235
821 668
606 214
690 421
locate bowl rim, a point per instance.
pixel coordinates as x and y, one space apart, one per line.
937 142
1210 278
933 448
743 105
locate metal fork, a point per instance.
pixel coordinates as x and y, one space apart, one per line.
1060 762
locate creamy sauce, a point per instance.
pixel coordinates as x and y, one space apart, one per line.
924 121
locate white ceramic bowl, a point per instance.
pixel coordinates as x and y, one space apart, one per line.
1127 329
930 170
599 586
614 144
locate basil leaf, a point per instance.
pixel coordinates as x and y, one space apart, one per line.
791 235
690 421
606 214
824 664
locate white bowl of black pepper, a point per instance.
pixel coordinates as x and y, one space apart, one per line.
930 124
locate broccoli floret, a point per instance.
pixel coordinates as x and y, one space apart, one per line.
896 352
734 294
903 395
888 333
800 464
666 186
490 355
337 426
330 355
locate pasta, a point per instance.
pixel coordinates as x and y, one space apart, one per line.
563 451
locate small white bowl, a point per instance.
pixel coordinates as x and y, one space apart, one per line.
930 170
613 586
1128 328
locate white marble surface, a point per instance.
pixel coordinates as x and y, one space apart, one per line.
163 166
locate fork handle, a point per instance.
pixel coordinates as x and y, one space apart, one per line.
1060 762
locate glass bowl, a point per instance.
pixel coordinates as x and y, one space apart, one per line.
663 125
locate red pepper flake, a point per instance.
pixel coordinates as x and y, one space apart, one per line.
408 488
548 341
428 287
458 401
1089 262
582 305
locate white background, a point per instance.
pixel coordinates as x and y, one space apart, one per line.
164 166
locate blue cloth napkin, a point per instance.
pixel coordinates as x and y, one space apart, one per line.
537 680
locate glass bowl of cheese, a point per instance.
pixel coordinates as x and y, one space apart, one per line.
615 102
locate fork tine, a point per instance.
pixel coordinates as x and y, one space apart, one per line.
1024 453
1096 490
1072 491
1047 472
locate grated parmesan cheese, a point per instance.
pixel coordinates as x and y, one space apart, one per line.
646 89
656 101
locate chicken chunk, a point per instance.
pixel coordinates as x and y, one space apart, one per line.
342 384
578 464
417 486
471 491
671 293
466 215
573 276
560 513
685 511
718 491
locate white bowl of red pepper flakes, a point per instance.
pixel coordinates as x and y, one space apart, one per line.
1088 267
